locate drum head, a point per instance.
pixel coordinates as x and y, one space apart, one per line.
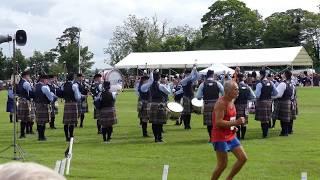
197 103
175 107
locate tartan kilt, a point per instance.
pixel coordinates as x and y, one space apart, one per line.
208 106
242 111
142 109
83 107
187 106
23 110
108 116
263 110
158 113
294 109
283 110
70 115
53 110
42 113
32 111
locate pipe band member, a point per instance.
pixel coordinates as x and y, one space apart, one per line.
83 104
43 98
56 91
107 112
285 109
241 103
209 90
10 102
95 89
25 93
157 107
264 90
178 95
72 96
186 82
142 108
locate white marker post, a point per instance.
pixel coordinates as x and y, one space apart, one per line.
69 156
165 172
304 176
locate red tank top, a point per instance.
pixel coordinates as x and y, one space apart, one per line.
223 134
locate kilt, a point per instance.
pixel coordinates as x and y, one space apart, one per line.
157 113
187 106
284 110
142 109
263 110
54 110
208 106
23 110
42 113
10 105
32 111
83 106
70 115
295 111
242 111
107 116
96 114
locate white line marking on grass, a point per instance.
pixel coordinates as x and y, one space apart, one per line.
165 172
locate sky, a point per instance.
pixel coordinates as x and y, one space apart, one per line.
45 20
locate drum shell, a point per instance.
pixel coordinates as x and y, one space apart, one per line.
115 78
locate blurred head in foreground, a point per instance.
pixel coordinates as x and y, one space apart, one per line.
27 171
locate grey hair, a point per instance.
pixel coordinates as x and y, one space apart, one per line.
228 85
25 171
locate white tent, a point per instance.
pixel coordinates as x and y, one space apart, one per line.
291 56
218 69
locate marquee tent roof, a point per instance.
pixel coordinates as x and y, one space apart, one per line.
293 56
218 69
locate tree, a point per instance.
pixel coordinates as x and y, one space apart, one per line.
3 67
136 35
174 43
283 29
311 35
230 25
68 51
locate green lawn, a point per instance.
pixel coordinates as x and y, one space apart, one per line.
188 154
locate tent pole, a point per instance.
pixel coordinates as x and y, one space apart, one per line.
169 74
137 70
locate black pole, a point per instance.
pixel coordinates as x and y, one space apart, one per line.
15 65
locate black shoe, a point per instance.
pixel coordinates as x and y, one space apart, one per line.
42 139
99 132
81 126
53 127
145 135
22 136
281 134
67 139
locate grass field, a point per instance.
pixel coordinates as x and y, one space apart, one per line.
129 156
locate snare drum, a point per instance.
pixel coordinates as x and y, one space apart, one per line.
197 105
175 110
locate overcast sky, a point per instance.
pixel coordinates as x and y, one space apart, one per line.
45 20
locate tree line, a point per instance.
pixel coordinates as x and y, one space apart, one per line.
59 60
229 24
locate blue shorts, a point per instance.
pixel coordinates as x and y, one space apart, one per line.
226 146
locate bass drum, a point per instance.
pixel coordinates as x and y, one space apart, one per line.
175 110
115 78
197 105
